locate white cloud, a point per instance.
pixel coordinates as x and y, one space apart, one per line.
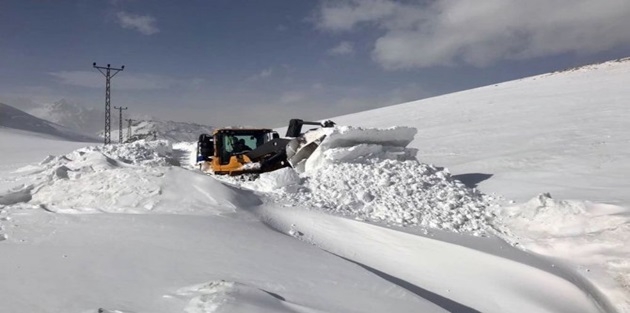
344 15
145 24
291 97
265 73
123 81
343 48
446 32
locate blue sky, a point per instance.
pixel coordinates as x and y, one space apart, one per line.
223 62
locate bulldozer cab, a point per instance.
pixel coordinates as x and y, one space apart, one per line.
232 144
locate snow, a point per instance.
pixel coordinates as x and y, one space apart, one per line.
365 227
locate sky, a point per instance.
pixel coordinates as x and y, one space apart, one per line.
235 62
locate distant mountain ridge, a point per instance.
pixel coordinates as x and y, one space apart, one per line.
91 121
11 117
72 115
169 130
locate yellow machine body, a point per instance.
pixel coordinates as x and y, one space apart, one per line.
228 158
235 151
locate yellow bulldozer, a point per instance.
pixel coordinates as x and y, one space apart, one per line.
236 151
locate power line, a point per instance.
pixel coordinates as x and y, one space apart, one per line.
120 123
108 76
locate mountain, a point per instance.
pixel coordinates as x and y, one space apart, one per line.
72 115
91 121
169 130
13 118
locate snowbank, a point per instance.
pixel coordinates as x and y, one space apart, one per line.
141 152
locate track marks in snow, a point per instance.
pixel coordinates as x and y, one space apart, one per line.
227 296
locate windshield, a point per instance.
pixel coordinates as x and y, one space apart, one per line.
236 143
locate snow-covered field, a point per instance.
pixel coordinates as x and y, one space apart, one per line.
366 227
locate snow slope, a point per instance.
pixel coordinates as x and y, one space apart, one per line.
563 133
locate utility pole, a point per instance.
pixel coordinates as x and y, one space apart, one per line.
120 124
129 121
108 76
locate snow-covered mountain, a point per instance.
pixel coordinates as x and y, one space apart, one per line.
13 118
368 229
90 121
169 130
72 115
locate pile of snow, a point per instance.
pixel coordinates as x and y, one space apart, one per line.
141 152
368 174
